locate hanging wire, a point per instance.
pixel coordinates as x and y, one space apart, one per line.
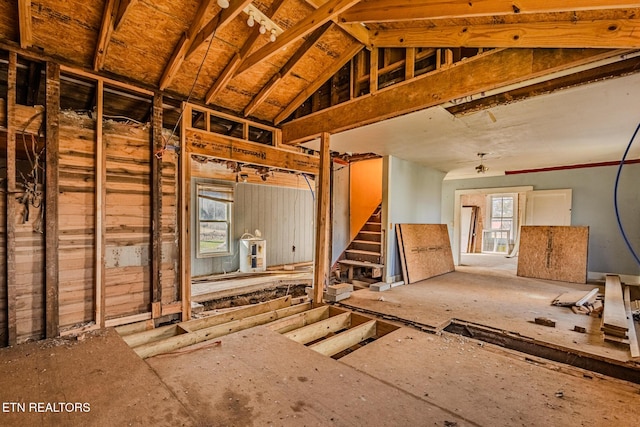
615 196
195 80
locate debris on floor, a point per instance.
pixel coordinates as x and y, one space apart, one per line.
545 321
338 292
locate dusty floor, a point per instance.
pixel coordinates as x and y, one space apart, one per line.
113 386
496 298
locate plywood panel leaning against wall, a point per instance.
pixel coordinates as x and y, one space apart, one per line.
128 220
554 253
425 251
76 218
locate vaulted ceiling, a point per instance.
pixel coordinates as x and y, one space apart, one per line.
196 49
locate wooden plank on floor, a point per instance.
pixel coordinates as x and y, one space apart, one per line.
345 340
614 315
157 334
427 251
299 320
634 348
241 313
320 329
403 260
575 298
201 335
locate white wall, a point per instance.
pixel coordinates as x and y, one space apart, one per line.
285 217
593 190
411 193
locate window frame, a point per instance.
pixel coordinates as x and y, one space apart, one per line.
514 217
221 188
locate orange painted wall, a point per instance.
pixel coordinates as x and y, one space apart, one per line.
365 192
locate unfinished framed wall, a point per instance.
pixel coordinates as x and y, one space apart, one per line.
89 206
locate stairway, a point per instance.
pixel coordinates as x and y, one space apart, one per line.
363 258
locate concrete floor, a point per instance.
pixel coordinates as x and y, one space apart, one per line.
405 378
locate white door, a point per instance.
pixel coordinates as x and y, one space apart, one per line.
548 207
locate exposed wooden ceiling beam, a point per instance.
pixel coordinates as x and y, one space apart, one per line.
356 31
316 19
286 69
105 34
488 71
113 15
592 34
319 81
179 52
407 10
230 69
24 15
123 8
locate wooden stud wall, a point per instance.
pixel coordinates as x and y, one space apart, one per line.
88 262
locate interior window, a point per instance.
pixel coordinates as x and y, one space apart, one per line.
214 219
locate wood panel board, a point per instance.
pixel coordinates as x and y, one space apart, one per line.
427 250
554 253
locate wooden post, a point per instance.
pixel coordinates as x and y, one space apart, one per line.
101 202
409 63
184 164
373 71
156 203
323 225
12 203
52 135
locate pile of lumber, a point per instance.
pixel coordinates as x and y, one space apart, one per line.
615 324
581 302
339 292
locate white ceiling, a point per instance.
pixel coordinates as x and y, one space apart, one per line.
585 124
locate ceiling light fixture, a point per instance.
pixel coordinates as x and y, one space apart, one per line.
481 168
251 21
272 37
223 3
263 27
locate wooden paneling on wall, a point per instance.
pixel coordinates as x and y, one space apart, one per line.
284 216
76 224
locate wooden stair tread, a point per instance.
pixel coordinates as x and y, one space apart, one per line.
369 232
367 242
361 252
372 223
360 263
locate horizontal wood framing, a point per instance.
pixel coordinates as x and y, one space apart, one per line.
203 142
593 34
393 10
484 72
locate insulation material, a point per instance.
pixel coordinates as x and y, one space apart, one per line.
554 253
425 251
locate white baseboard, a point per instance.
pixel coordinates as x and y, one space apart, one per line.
624 278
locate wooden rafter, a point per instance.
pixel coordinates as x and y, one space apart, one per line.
220 20
123 8
592 34
113 15
319 81
26 32
231 67
179 52
305 26
484 72
286 69
356 31
406 10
